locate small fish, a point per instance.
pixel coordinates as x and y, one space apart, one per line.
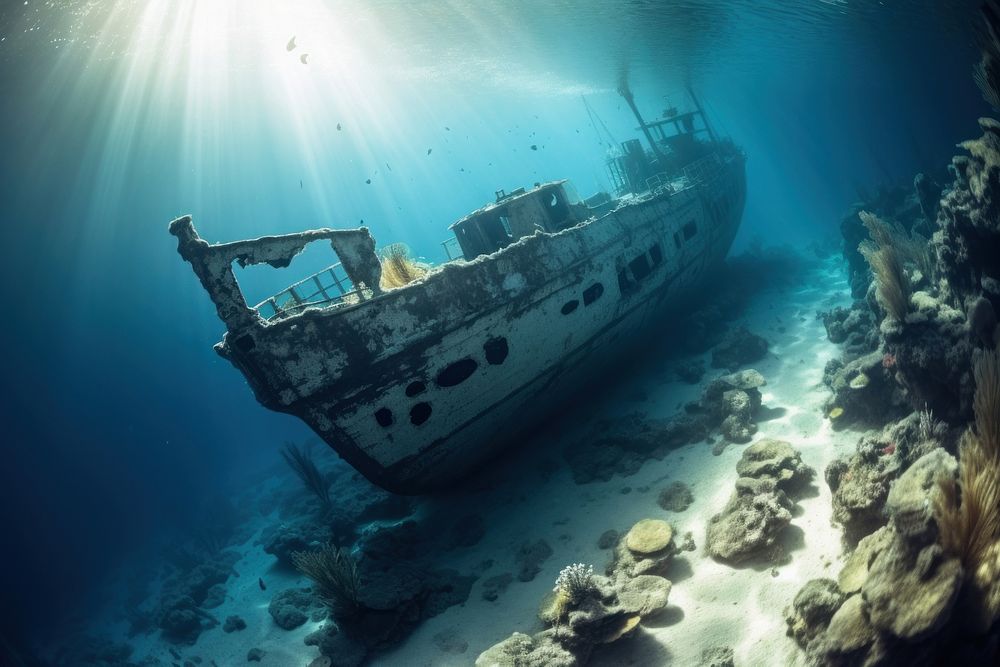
534 147
300 184
387 166
304 58
338 127
368 181
260 582
429 150
447 129
291 44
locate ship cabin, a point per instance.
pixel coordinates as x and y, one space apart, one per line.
675 140
548 207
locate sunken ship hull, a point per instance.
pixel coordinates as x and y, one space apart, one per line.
417 386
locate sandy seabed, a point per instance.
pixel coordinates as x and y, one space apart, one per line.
711 604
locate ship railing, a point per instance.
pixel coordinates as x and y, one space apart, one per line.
452 249
703 169
329 286
658 181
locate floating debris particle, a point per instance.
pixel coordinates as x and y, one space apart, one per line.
534 147
429 150
291 44
338 127
304 58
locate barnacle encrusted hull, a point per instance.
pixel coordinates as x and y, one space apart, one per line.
418 385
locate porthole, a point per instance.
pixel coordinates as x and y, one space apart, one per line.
569 307
384 417
496 350
420 413
592 293
416 387
456 372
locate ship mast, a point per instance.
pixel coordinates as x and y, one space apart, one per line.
625 92
701 112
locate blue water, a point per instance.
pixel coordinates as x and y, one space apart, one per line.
120 422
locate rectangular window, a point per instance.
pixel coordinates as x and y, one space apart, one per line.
689 230
640 267
656 254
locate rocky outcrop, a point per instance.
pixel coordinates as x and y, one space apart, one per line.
594 609
811 611
293 607
760 508
730 403
861 483
897 592
739 348
855 328
863 392
675 498
647 548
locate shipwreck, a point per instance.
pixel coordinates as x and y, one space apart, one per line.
415 386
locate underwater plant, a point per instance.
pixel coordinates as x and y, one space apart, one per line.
397 267
892 284
968 512
302 463
334 574
927 425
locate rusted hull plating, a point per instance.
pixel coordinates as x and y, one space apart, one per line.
420 385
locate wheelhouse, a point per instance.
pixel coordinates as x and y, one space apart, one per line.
548 207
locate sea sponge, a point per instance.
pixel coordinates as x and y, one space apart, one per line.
859 381
649 536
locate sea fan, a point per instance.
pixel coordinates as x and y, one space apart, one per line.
892 284
968 512
334 574
302 463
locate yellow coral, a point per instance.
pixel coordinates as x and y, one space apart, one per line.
836 412
554 606
859 381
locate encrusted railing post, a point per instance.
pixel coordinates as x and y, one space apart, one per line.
214 268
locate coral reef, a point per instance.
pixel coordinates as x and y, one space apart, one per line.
923 588
760 508
861 483
295 606
182 613
897 592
